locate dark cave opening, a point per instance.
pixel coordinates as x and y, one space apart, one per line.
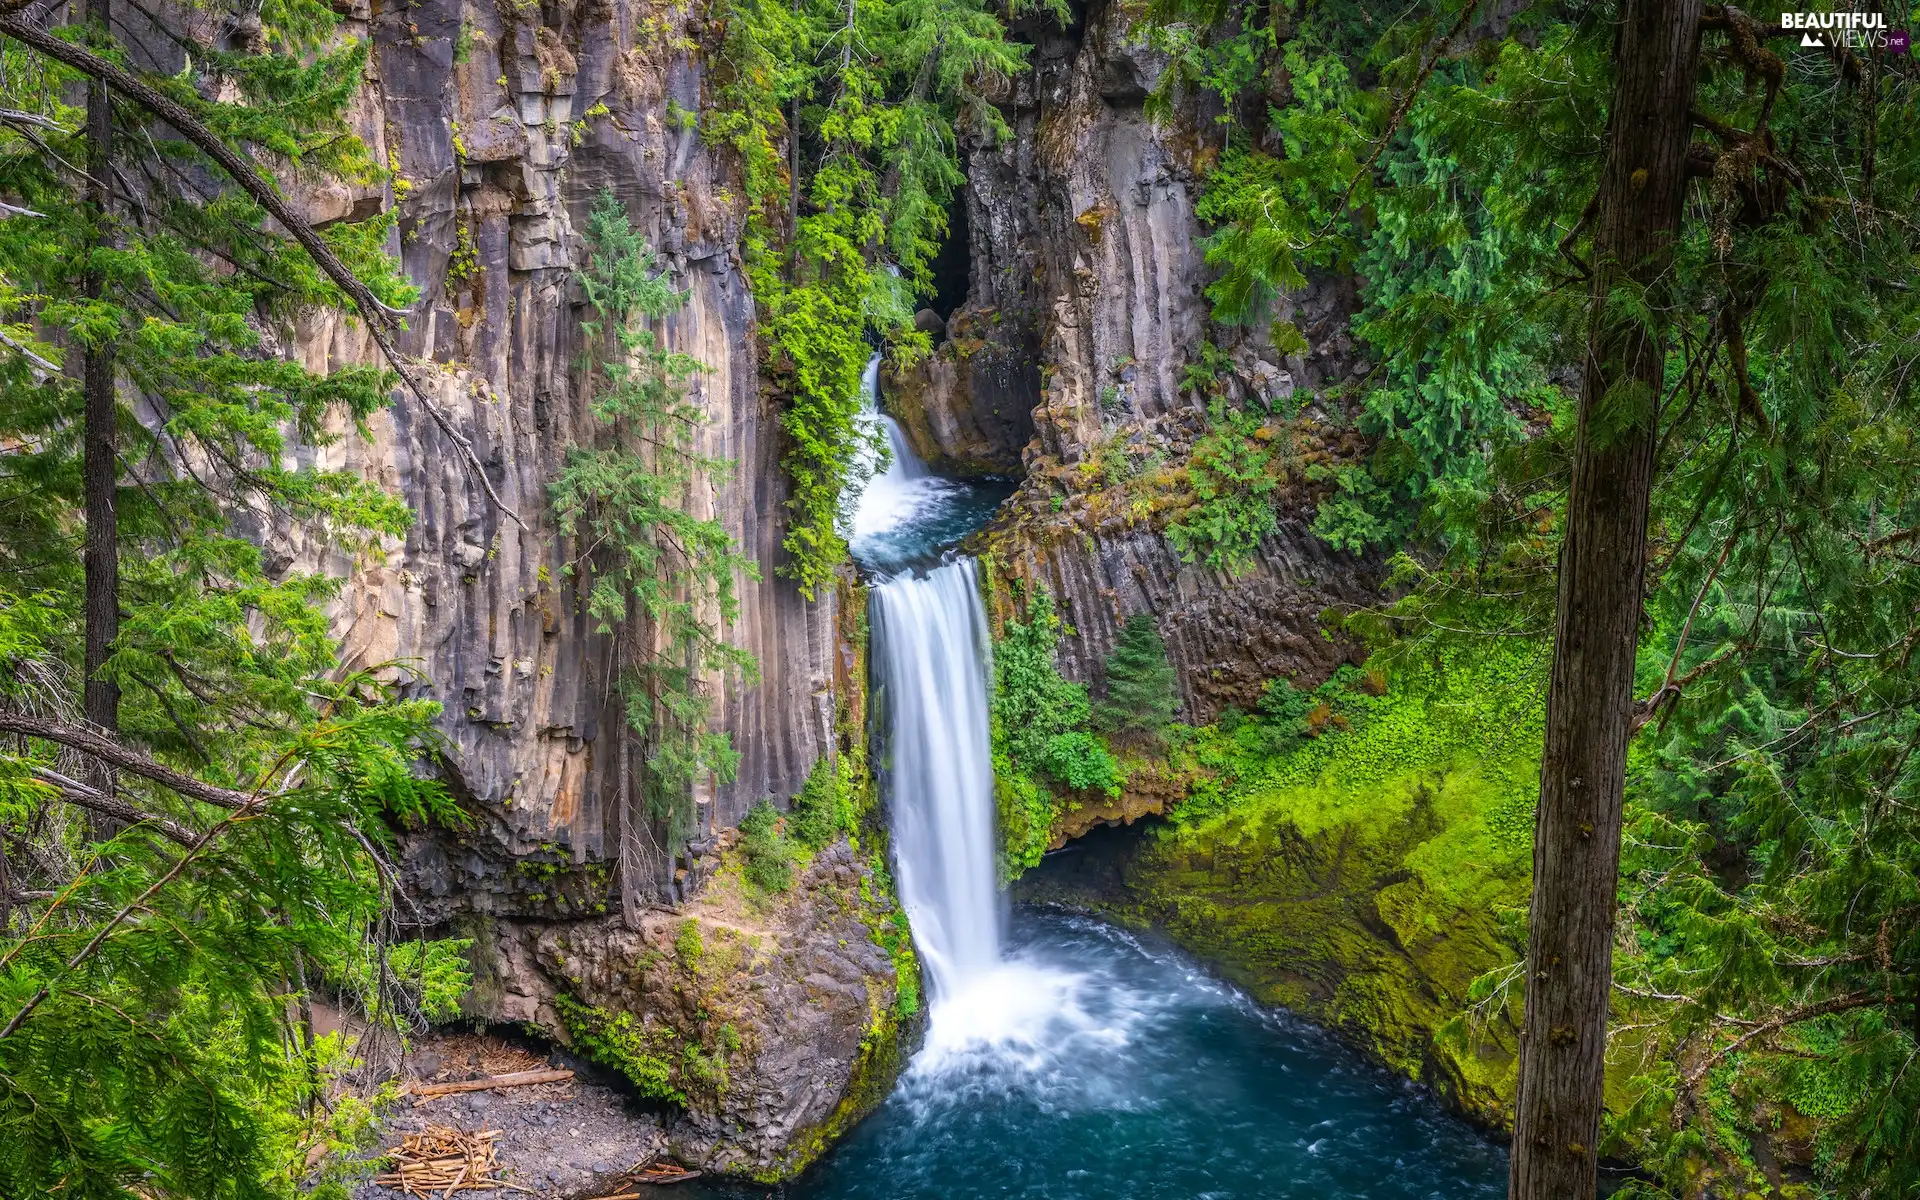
953 266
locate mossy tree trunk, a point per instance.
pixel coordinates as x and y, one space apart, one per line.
1590 705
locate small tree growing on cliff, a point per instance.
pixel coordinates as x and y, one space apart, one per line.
1142 692
662 576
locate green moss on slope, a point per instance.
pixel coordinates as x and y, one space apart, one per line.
1362 854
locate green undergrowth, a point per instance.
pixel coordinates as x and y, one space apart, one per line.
1043 743
774 845
652 1057
1361 852
1458 736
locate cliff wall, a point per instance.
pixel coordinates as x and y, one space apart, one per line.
502 125
1088 264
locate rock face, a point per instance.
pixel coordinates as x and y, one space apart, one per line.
968 410
773 1025
1086 252
775 1028
501 132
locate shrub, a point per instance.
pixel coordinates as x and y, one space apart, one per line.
1081 761
688 944
1234 471
1141 686
769 860
1040 732
823 809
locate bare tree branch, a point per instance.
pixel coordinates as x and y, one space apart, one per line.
131 761
93 800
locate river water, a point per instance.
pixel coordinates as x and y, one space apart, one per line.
1066 1059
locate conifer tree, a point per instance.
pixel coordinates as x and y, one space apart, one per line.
1763 948
662 579
1142 693
161 672
1637 212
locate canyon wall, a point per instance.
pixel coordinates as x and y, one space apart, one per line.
502 125
1088 261
1087 253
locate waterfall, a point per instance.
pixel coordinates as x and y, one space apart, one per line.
889 498
906 464
930 660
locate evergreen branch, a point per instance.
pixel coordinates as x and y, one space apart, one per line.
28 354
99 938
1402 106
380 317
1836 1004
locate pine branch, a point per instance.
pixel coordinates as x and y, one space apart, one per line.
380 317
1774 1024
132 906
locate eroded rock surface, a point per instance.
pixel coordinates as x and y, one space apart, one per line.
761 1027
482 112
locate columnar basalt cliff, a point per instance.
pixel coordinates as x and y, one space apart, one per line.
1087 253
502 124
501 130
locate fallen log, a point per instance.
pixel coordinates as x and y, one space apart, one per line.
427 1091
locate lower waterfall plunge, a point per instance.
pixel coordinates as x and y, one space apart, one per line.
930 671
1066 1059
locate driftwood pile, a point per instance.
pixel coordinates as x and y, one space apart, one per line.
444 1160
653 1174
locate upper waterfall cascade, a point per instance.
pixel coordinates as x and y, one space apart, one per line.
905 514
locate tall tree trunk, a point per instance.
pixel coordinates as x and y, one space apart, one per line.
1576 854
101 699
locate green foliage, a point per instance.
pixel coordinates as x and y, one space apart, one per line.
894 934
1142 693
688 944
1233 471
149 1037
768 860
772 844
1470 719
1768 870
426 978
824 809
837 256
652 562
1040 736
151 977
1449 240
652 1057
